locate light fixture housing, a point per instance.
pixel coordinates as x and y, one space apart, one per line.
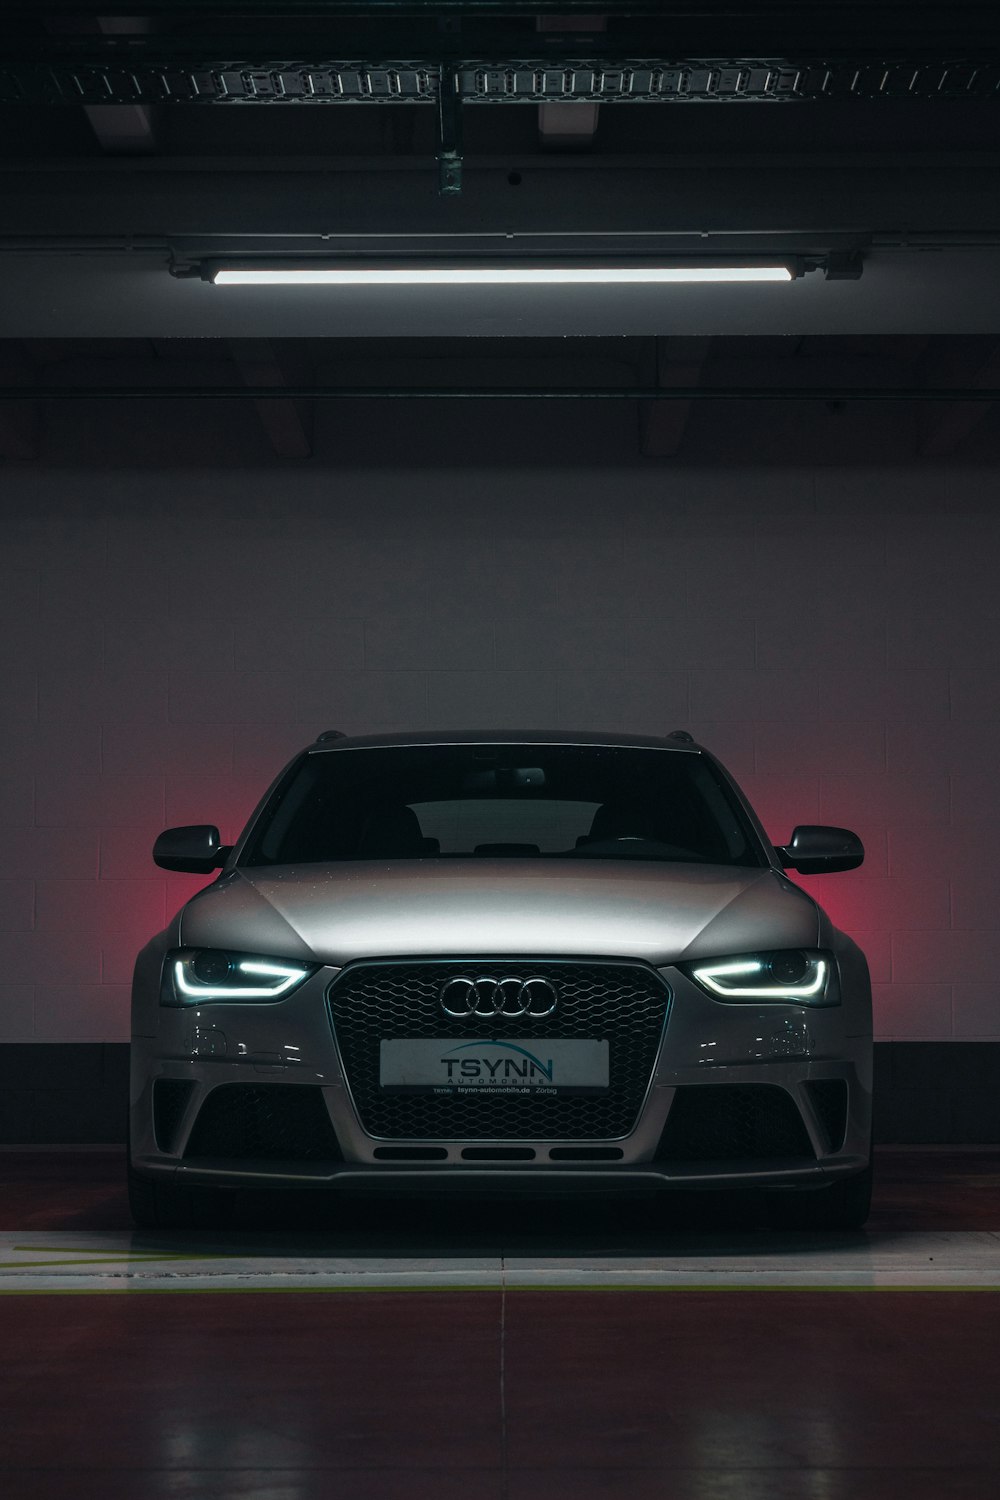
552 272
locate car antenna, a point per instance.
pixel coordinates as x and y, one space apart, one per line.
330 734
681 734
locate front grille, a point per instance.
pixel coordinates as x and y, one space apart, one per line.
730 1122
170 1097
269 1122
829 1099
623 1003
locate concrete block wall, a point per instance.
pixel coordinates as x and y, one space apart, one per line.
822 647
170 635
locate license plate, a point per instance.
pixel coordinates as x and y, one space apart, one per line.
514 1065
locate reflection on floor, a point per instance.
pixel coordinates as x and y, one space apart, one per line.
779 1364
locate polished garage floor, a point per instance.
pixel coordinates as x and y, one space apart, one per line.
507 1351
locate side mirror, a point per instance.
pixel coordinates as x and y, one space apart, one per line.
195 849
815 850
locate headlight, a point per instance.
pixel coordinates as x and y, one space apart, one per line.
191 975
788 975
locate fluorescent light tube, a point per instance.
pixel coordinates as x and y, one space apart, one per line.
494 275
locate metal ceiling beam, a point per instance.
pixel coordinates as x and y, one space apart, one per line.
119 128
248 77
568 125
381 8
123 128
283 421
679 365
20 421
946 429
858 12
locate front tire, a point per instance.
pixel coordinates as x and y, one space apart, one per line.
845 1204
169 1205
161 1203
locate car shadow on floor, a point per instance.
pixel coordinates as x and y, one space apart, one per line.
916 1190
567 1229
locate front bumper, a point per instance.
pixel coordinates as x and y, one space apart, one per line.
704 1046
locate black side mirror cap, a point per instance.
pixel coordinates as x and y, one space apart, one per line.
817 850
194 849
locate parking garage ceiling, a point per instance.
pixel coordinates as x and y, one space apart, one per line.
136 138
139 143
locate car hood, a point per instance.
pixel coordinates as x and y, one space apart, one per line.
427 908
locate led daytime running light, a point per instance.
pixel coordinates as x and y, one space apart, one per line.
285 974
710 977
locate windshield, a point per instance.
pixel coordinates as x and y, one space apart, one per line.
495 801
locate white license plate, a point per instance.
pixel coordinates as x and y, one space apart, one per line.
514 1065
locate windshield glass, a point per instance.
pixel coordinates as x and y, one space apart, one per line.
496 801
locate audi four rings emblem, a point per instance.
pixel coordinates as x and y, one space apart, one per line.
486 997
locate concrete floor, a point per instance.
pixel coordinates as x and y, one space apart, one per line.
678 1349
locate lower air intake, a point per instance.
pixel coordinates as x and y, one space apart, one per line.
264 1122
170 1098
725 1122
829 1099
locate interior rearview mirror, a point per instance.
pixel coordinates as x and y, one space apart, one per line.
194 849
817 850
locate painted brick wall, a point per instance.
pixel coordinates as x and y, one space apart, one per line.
171 633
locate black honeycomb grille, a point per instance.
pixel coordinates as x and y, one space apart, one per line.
624 1003
726 1122
265 1122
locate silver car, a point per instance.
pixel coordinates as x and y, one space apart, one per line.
526 962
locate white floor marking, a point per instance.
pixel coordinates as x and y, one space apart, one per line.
90 1261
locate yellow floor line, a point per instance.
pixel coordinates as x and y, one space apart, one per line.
101 1257
86 1250
97 1260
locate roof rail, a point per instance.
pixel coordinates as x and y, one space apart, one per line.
330 734
681 734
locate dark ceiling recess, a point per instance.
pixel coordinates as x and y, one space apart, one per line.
327 118
328 52
323 53
932 396
820 15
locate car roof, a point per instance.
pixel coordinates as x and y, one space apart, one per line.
336 741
